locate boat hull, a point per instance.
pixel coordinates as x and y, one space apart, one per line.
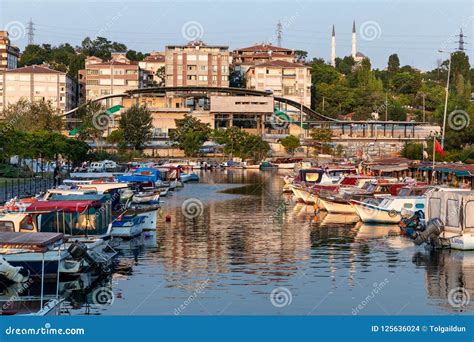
336 207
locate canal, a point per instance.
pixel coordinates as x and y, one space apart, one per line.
233 244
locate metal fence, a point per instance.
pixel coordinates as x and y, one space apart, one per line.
25 187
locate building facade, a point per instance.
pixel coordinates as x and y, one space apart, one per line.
101 78
9 54
244 58
38 83
154 64
197 64
285 79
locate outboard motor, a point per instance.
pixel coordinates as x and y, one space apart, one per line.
79 251
434 228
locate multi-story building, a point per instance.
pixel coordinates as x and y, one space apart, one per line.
285 79
154 64
111 77
244 58
9 54
197 64
38 83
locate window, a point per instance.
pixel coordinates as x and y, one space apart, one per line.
407 205
6 226
469 219
203 67
202 78
419 206
93 72
92 82
452 213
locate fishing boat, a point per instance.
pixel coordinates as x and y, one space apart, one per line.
189 177
388 210
266 165
39 254
146 197
149 213
127 226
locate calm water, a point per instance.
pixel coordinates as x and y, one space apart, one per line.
253 251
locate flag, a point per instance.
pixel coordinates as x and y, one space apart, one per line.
438 148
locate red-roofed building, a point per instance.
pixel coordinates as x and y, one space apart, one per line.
116 76
244 58
286 79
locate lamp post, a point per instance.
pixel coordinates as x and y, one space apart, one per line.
446 98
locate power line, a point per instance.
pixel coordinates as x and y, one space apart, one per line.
30 32
279 33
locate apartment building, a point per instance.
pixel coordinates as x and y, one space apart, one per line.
38 83
197 64
115 76
285 79
244 58
154 64
9 54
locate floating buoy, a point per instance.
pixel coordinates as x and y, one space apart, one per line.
168 218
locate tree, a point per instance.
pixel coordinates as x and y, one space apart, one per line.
117 137
161 75
136 124
238 143
412 151
396 112
290 143
301 55
321 136
322 72
32 116
94 122
393 65
345 65
190 134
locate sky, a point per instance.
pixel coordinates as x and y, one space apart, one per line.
415 29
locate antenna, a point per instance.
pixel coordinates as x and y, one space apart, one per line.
461 40
30 31
279 32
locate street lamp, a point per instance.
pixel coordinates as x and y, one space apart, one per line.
446 98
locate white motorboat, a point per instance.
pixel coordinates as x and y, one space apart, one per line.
389 209
127 226
146 197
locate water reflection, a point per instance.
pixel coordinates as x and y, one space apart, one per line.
251 239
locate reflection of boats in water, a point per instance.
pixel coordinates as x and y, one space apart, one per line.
376 231
328 219
449 277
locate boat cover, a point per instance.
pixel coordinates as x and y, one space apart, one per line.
65 206
454 208
37 241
